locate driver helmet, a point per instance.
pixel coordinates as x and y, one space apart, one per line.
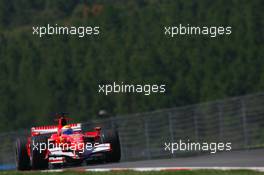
67 130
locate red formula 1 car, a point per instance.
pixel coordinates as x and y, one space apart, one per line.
66 145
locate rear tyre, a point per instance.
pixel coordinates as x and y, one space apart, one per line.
22 158
37 159
112 137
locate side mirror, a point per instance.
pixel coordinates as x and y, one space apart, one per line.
97 128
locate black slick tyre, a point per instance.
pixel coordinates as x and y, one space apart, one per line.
22 158
112 137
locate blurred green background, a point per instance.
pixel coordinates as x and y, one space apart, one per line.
62 73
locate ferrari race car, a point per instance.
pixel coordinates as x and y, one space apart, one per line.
66 145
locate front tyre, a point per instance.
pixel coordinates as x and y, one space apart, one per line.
37 159
112 137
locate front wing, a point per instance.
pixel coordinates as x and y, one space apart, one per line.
58 155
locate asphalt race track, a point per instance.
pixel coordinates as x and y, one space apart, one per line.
248 158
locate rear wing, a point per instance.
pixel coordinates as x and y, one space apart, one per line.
53 129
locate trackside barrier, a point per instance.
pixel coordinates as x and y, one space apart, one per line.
238 120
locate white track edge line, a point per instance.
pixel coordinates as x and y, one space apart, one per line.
260 169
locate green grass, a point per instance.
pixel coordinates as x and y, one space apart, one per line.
195 172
